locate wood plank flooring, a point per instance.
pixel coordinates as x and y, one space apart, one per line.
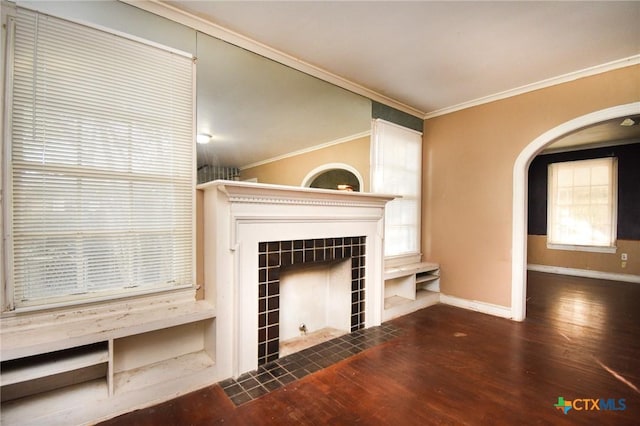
581 340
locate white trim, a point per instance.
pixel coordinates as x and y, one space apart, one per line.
520 184
556 228
87 23
399 126
107 297
6 199
49 331
475 305
217 31
263 193
307 150
553 81
591 249
308 179
610 276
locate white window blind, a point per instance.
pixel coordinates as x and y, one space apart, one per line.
582 203
396 169
101 164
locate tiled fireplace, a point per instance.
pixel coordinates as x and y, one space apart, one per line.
254 232
276 255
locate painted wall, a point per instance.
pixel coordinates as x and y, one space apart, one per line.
539 254
292 170
468 160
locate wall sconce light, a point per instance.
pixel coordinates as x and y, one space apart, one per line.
203 138
630 121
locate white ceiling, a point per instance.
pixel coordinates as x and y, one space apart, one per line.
432 57
609 132
436 55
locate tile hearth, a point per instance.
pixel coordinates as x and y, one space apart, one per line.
274 375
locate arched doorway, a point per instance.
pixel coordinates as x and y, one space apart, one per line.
520 170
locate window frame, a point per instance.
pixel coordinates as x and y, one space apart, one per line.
377 167
7 303
613 209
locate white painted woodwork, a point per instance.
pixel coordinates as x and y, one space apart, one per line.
519 210
26 373
239 215
141 350
56 330
59 407
157 347
409 287
588 273
196 363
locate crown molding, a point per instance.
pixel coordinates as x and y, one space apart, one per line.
262 193
598 69
307 150
200 24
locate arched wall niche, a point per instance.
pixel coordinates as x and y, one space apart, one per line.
331 175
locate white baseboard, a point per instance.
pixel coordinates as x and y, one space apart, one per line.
612 276
474 305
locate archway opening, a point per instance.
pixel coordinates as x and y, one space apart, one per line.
520 189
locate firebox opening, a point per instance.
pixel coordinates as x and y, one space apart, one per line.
275 256
318 297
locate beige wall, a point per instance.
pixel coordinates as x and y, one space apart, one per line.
292 170
539 254
468 160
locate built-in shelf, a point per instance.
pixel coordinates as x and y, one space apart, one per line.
60 332
410 287
55 407
71 368
171 369
40 366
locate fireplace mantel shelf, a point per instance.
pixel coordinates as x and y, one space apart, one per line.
260 193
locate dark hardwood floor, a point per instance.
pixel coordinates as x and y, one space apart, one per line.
581 340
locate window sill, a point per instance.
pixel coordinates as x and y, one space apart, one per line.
399 261
34 333
592 249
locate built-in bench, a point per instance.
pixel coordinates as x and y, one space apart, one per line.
58 361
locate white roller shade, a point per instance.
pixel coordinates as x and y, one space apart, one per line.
101 163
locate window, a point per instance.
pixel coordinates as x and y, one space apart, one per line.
396 169
582 203
100 168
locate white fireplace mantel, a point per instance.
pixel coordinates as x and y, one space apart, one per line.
240 215
260 193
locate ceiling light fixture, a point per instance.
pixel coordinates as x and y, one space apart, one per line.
630 121
203 138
